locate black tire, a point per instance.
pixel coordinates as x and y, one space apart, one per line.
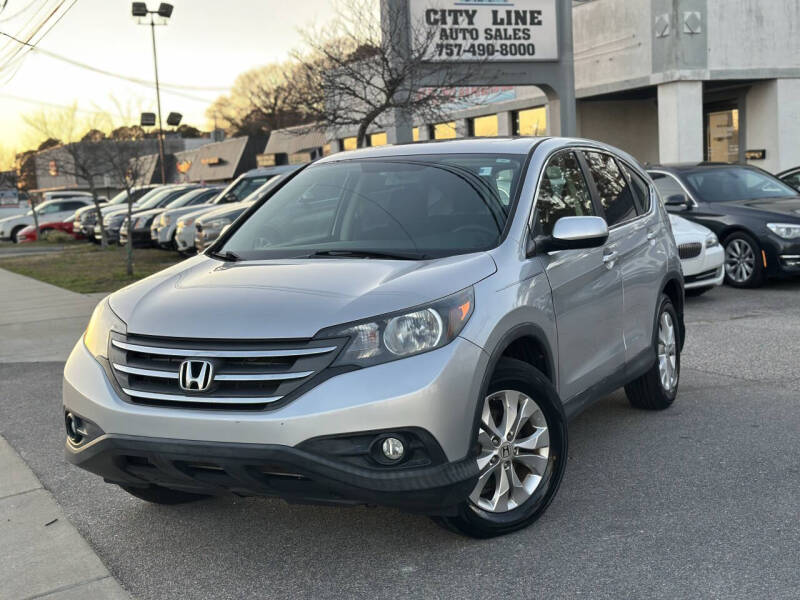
512 374
161 495
758 275
15 231
647 392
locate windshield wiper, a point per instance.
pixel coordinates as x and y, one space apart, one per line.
367 254
226 256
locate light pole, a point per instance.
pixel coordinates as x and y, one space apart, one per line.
139 9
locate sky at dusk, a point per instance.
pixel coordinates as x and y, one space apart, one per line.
206 43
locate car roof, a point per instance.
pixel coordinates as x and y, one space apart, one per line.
277 170
488 145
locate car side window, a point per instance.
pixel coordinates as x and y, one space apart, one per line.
667 186
640 189
615 194
793 179
72 205
563 192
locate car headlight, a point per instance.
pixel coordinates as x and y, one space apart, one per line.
141 223
102 323
787 231
406 333
712 241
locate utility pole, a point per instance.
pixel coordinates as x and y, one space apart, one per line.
139 9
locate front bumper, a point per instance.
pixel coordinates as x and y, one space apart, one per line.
272 470
705 270
141 237
184 237
112 234
436 392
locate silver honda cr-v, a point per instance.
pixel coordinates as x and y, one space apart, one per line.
410 326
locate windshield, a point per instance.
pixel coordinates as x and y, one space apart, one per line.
187 198
417 207
119 198
157 191
239 190
725 184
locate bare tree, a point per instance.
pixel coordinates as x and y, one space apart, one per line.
260 101
80 156
354 75
129 158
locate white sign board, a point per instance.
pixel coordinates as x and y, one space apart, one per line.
481 30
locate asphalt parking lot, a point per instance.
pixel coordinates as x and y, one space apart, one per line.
701 500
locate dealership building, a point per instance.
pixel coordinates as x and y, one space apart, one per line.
667 80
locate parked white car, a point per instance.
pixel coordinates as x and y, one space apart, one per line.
702 256
162 231
53 210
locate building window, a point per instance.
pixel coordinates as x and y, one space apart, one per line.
531 121
443 131
378 139
415 134
326 149
349 143
483 126
722 136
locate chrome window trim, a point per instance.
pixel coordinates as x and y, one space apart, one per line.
694 203
587 148
221 353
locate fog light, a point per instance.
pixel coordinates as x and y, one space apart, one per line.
393 448
75 432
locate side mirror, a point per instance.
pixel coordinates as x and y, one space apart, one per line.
677 201
574 233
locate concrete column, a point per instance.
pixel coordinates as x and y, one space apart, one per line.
336 145
505 123
680 121
773 123
424 132
462 128
400 131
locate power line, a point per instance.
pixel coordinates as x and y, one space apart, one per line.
21 11
86 66
50 104
36 30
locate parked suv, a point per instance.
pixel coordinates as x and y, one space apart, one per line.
410 326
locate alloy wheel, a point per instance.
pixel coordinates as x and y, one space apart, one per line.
667 353
514 451
740 260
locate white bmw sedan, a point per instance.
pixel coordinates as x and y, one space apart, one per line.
702 256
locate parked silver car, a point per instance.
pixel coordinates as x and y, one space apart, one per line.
410 326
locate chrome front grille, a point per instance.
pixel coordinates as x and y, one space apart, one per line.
247 375
690 250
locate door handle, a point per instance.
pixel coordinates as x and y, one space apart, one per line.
651 235
609 257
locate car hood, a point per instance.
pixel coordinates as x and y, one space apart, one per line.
778 207
281 299
684 228
184 210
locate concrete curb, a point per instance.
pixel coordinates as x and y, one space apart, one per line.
42 555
